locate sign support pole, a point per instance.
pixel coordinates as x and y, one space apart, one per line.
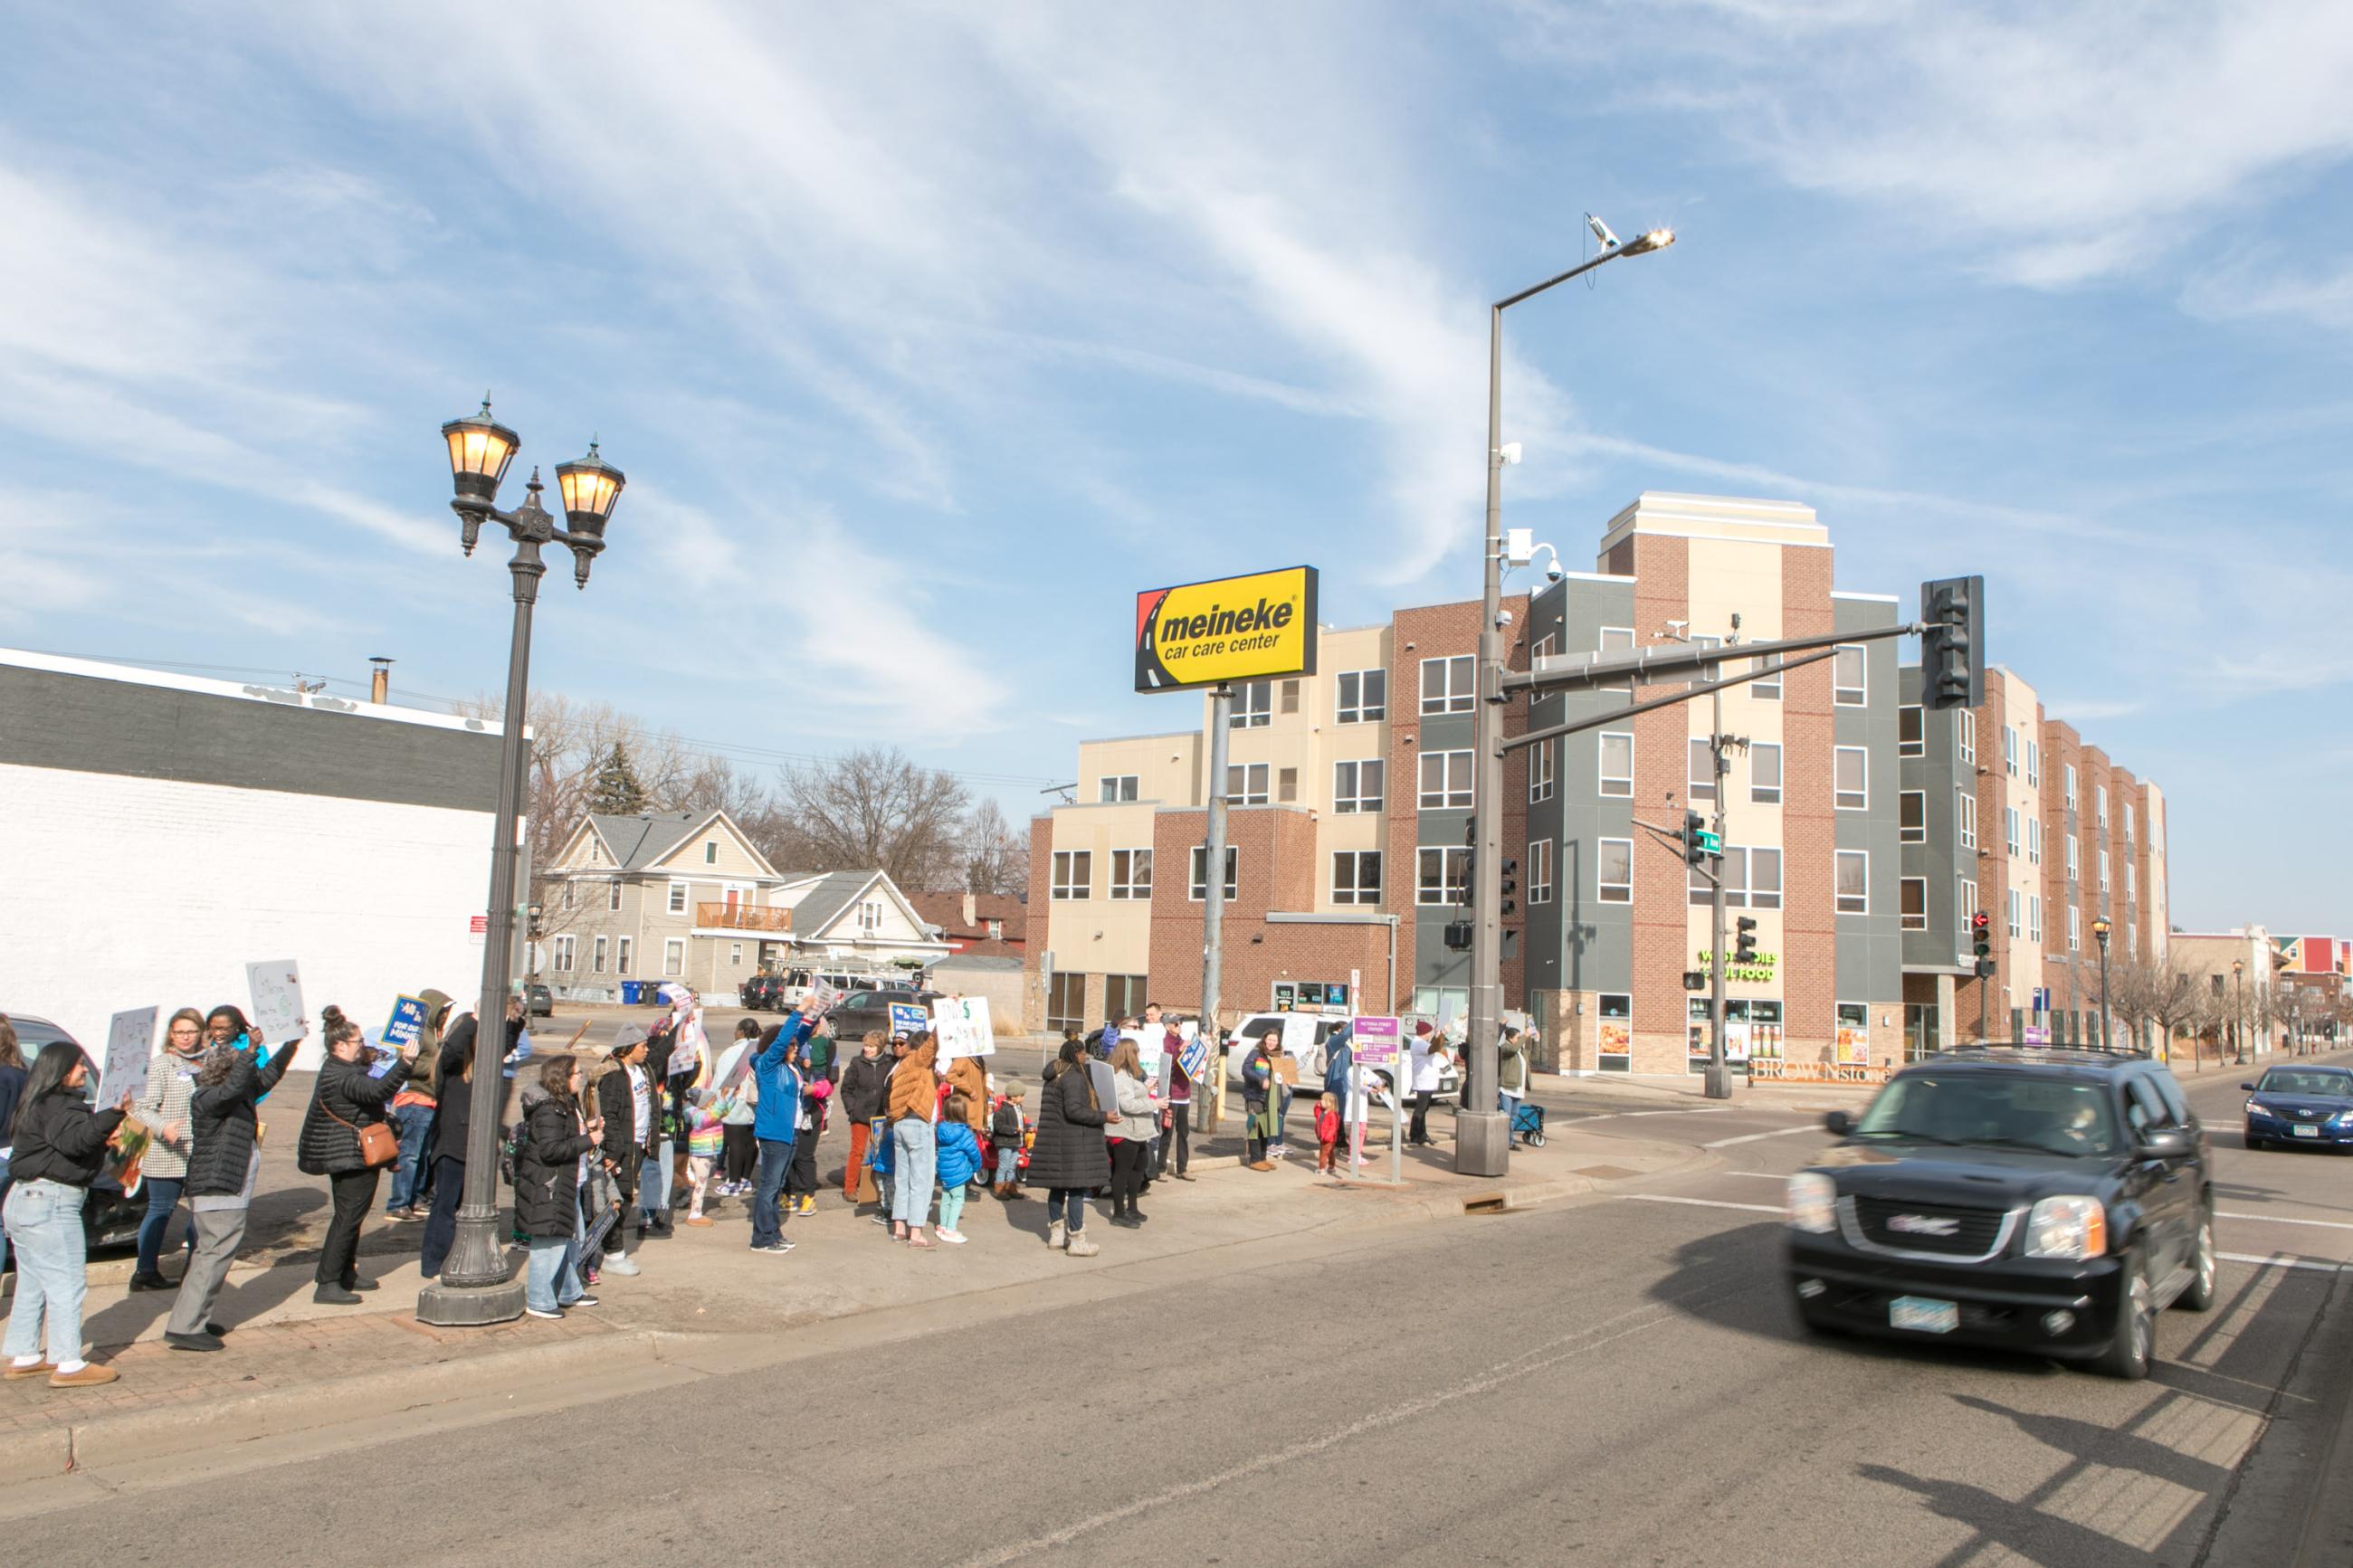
1213 900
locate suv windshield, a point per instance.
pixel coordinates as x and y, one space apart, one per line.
2290 1080
2060 1116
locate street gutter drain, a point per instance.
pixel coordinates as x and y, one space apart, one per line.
1487 1203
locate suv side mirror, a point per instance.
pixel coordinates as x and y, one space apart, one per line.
1839 1123
2168 1143
2248 1087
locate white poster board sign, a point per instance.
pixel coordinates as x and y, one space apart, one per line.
129 1047
277 988
962 1023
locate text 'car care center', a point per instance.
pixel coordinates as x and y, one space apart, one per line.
1236 628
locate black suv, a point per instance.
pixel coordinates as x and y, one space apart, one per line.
2046 1201
763 992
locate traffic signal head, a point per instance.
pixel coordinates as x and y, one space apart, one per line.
1695 832
1743 946
1981 932
1952 652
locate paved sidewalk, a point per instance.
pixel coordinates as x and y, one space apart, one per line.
706 1281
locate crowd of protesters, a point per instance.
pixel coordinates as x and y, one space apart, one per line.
592 1150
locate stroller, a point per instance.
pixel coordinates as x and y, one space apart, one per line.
1528 1123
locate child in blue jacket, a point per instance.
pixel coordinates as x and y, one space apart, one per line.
959 1162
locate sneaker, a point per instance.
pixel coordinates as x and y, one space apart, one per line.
582 1300
149 1279
191 1342
697 1219
89 1374
622 1265
334 1296
953 1237
1262 1165
590 1276
550 1312
775 1249
879 1219
809 1204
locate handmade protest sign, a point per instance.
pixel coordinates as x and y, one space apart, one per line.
406 1025
277 987
963 1027
909 1018
129 1047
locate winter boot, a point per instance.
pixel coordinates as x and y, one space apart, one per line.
1056 1233
1081 1246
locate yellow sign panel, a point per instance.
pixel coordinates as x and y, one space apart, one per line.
1236 628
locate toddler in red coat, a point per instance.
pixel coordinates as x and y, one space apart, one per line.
1327 1131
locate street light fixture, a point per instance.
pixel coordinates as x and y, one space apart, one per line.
2238 1011
2100 935
1482 1136
475 1287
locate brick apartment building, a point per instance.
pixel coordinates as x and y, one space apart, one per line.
1350 795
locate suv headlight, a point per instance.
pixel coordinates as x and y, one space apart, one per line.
1809 1203
2069 1228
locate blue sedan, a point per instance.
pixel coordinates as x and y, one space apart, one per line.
2301 1105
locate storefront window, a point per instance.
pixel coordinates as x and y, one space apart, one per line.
1751 1028
1614 1042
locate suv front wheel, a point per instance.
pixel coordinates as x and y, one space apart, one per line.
2200 1294
2135 1341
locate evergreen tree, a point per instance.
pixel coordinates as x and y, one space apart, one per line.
617 792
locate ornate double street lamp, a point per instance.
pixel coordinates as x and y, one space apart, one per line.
2100 934
475 1287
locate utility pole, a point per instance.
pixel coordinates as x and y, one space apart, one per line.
1213 910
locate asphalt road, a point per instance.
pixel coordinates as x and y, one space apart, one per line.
1615 1383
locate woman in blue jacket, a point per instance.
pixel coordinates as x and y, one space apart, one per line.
773 1125
959 1162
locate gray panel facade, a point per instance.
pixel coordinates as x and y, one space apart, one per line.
1869 946
1940 778
1576 942
91 724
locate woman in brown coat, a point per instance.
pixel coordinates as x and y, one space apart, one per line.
913 1106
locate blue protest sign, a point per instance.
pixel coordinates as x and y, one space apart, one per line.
406 1025
909 1018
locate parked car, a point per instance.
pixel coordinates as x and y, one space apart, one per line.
109 1220
763 992
2046 1201
538 1002
1308 1048
2300 1105
863 1010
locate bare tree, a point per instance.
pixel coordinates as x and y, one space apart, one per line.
875 809
995 855
2171 1001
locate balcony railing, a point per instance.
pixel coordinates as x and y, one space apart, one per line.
741 917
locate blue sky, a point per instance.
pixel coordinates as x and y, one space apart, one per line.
928 335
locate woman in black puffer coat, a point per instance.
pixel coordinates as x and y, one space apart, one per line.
1070 1158
221 1168
344 1099
547 1186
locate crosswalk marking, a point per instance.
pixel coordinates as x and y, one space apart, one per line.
1756 1137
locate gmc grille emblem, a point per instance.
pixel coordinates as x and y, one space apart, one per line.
1923 1225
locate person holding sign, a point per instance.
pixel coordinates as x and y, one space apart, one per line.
332 1143
163 1107
865 1083
222 1166
61 1146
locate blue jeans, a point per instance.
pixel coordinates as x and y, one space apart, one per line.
1067 1206
915 1152
552 1278
1008 1166
653 1184
163 1198
1511 1109
775 1159
44 1221
414 1122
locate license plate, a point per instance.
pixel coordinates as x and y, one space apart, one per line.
2305 1131
1923 1316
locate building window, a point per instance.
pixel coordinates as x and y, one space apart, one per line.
567 953
2073 873
613 894
1544 648
1246 784
1448 685
2103 873
2009 828
2100 799
673 958
2010 751
1761 868
2070 786
621 951
1964 816
568 893
677 898
1199 893
597 950
1912 816
1852 884
1357 877
1965 735
1074 874
1123 995
1540 871
1912 730
1130 874
1766 687
2034 840
1066 1002
1614 1048
2128 826
1540 766
2075 928
1357 787
1966 909
1850 777
711 852
1364 697
1254 706
2012 905
1291 697
2131 879
1286 784
1111 790
1445 780
2034 763
1445 875
1752 877
1764 772
2034 917
1618 639
1847 688
1701 769
1614 871
1914 891
1617 764
735 955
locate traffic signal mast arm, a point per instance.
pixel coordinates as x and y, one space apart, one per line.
1617 667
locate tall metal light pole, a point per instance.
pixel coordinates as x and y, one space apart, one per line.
2237 1012
1209 1099
2100 935
1482 1136
475 1287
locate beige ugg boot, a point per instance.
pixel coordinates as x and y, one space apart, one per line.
1081 1246
1056 1233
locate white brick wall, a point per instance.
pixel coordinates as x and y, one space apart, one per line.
119 892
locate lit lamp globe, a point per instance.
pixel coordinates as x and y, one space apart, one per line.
590 487
479 450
